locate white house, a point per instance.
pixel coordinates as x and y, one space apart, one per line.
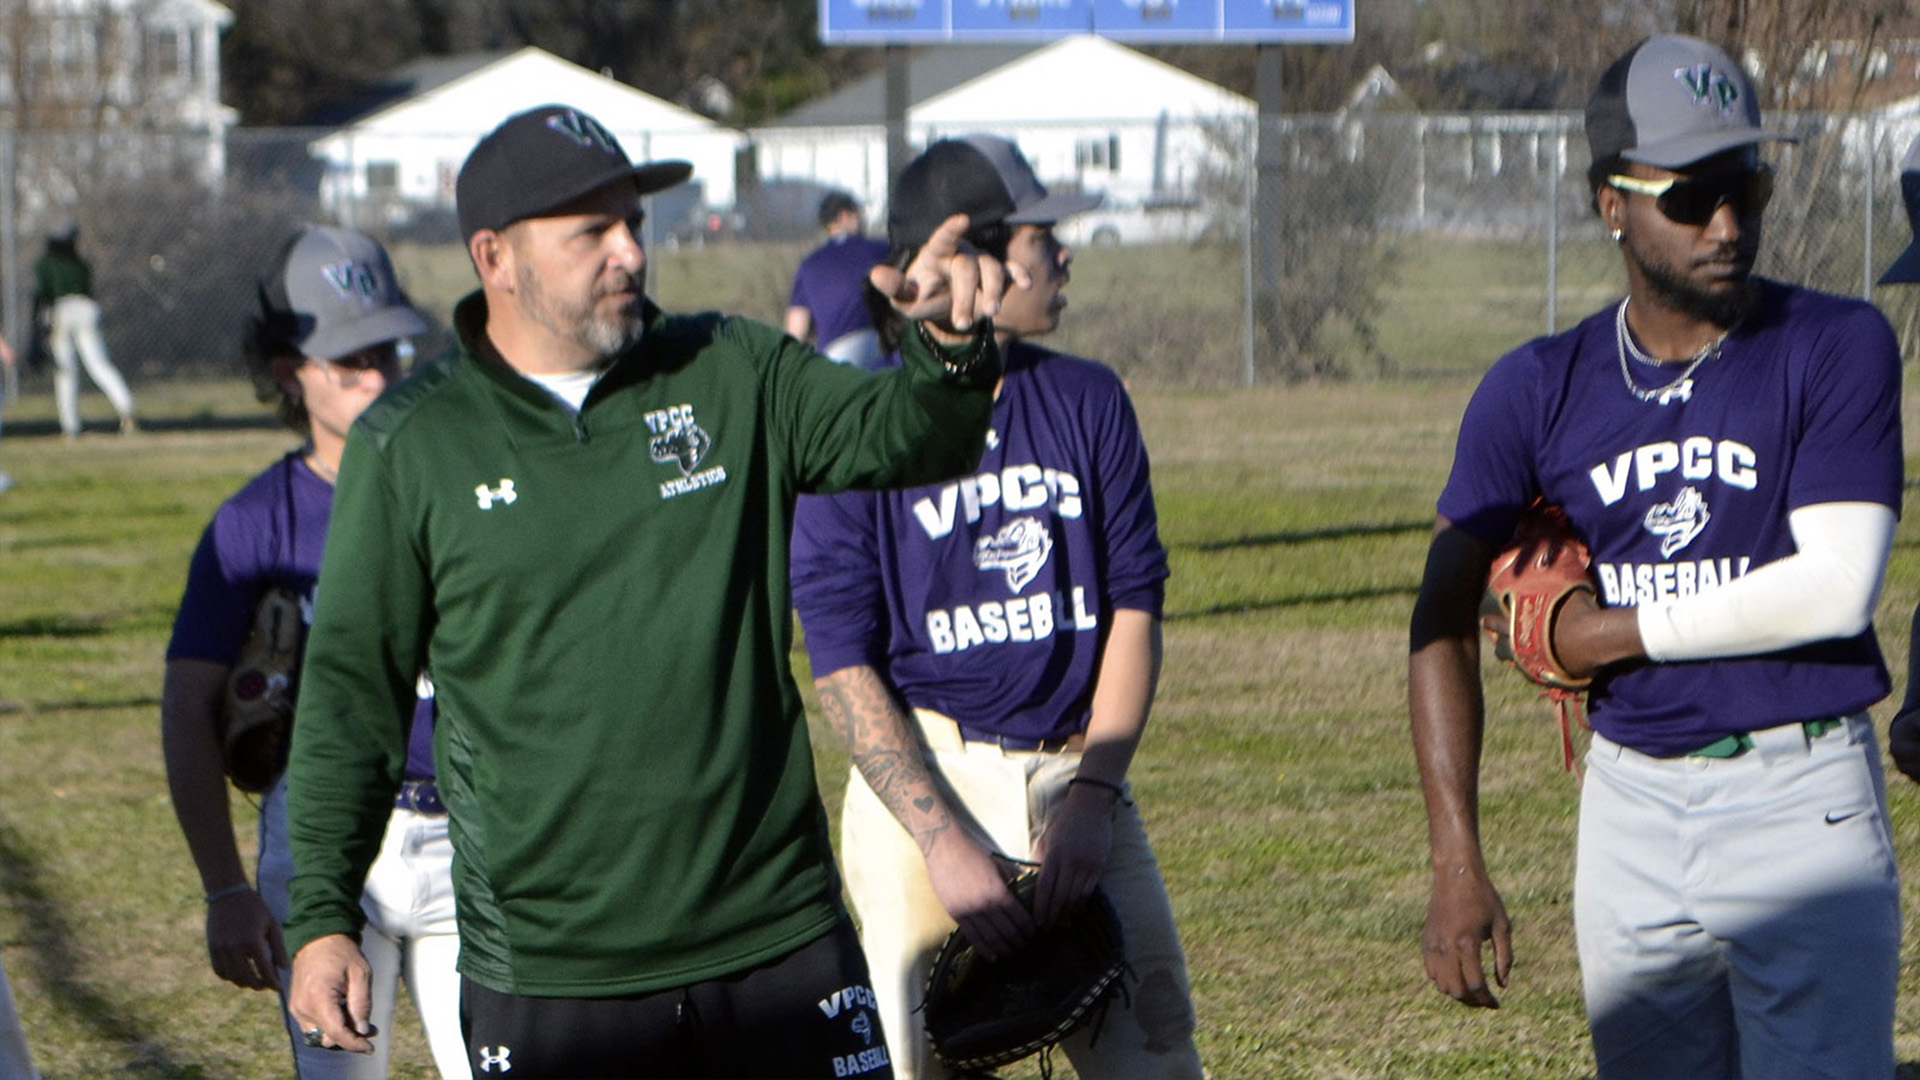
1089 113
403 158
128 84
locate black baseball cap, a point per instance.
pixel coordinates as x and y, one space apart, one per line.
542 159
981 176
1672 101
1906 269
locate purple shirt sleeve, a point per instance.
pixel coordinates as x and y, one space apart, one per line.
836 581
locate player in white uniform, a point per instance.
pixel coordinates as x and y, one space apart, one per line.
1730 450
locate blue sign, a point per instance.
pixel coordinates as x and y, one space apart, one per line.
1014 19
885 22
1287 20
1157 20
880 22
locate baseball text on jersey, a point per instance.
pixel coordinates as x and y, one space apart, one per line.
1016 487
1650 583
1018 620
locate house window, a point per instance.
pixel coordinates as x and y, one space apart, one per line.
164 54
69 45
1098 154
383 177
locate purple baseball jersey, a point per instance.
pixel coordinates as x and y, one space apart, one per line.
831 283
1801 407
986 598
268 534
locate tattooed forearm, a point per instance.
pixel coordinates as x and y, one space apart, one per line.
881 740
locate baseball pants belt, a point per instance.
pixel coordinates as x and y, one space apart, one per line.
419 796
1740 742
945 733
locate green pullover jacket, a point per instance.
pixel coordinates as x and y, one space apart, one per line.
602 602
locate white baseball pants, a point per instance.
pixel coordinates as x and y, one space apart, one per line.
1740 917
75 341
1009 796
410 934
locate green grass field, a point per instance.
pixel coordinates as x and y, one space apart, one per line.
1276 778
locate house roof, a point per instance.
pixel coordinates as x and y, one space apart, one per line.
414 77
931 71
476 92
1078 76
1083 77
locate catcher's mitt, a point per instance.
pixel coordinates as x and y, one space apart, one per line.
1529 582
981 1014
256 716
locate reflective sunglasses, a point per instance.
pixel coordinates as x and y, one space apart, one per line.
1693 200
348 370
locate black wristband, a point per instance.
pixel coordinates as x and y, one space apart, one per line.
1115 788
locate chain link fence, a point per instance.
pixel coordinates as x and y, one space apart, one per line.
1408 245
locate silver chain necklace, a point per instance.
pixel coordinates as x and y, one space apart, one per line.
1681 388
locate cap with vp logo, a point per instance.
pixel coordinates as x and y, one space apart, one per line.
334 294
540 160
1671 101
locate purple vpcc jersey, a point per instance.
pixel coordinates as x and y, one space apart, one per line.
1681 493
269 534
986 598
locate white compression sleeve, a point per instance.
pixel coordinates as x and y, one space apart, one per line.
1827 589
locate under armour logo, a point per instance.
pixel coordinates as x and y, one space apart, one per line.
1709 87
502 494
583 130
496 1057
1680 391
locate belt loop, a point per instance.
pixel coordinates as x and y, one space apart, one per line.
1780 742
940 731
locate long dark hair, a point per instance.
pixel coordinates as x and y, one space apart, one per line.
268 336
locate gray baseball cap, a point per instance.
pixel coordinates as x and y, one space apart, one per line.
1906 269
982 176
1671 101
335 294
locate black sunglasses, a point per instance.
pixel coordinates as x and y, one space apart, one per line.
1693 200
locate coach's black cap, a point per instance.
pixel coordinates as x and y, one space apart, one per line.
542 159
1671 101
981 176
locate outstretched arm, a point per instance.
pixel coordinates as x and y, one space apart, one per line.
1464 911
966 877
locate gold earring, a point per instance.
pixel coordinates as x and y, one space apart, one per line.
1617 235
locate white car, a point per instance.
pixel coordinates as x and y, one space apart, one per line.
1149 221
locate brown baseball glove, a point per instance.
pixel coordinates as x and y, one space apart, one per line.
256 717
1531 579
981 1014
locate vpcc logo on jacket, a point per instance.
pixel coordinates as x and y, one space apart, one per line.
678 440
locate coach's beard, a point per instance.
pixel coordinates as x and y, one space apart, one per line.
1723 308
